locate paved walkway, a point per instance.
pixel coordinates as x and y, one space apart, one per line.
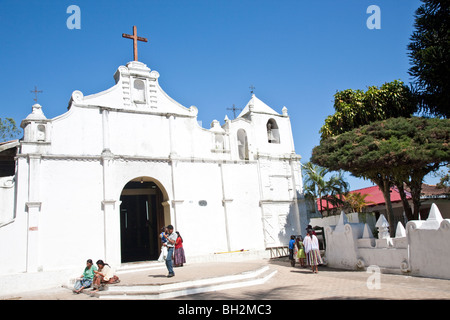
289 283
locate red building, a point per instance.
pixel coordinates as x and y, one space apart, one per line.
375 201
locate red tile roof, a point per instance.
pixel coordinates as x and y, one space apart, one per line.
375 196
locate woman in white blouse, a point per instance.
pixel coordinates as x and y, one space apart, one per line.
104 276
311 244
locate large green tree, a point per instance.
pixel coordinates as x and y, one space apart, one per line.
429 53
384 150
8 129
355 108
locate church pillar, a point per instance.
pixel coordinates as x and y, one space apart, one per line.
225 201
266 233
227 232
111 218
171 135
175 205
105 123
297 222
111 232
166 207
175 202
33 207
33 259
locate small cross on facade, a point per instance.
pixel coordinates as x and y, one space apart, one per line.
35 91
135 40
252 88
234 109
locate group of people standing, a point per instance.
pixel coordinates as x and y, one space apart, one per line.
306 250
172 251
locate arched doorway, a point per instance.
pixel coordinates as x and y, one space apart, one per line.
141 219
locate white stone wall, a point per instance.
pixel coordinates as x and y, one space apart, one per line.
421 250
7 187
429 245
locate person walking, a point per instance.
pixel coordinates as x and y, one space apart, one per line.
171 240
291 250
301 251
311 244
178 253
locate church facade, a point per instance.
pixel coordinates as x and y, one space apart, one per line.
102 179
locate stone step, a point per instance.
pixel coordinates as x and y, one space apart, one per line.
177 289
126 268
139 266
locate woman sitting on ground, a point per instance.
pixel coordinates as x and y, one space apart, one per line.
104 276
85 281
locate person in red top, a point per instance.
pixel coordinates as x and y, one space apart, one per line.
178 255
311 228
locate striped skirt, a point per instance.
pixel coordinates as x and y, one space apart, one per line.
313 258
178 256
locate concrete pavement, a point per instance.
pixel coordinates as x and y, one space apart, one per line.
288 283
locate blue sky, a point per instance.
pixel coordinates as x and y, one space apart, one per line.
296 53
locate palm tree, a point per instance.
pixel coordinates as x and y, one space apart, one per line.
317 187
336 186
314 182
357 201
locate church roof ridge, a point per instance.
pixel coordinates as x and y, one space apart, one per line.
257 105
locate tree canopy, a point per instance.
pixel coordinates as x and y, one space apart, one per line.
355 108
388 151
8 129
391 143
429 53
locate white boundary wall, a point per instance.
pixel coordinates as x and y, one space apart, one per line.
422 249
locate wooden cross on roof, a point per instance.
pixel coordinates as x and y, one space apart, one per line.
35 91
252 88
135 40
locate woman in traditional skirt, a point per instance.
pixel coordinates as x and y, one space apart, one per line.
178 254
311 244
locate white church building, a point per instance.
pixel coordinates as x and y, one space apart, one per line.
102 179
